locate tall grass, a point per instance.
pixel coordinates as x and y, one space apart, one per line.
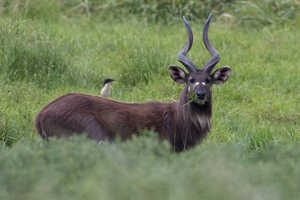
33 9
29 54
256 12
252 151
144 169
257 106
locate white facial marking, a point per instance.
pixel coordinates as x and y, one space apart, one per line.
182 74
203 83
195 85
217 74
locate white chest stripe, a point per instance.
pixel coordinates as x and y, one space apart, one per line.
204 122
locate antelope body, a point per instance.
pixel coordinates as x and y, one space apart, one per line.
183 123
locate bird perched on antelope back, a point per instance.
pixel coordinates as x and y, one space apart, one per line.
106 90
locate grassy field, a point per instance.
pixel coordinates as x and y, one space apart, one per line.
252 151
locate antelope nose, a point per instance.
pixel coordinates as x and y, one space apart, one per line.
200 94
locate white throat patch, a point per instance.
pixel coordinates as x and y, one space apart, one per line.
203 121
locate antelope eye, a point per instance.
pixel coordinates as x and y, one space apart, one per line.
192 80
207 80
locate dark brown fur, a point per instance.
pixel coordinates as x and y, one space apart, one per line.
103 119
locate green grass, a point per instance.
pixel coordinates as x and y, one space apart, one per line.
249 13
252 151
145 169
40 62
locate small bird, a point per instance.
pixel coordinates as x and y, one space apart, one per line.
105 91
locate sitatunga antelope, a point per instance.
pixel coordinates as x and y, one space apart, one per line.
183 123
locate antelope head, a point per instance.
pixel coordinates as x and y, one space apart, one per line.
198 82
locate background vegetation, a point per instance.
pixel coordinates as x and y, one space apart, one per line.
50 48
254 12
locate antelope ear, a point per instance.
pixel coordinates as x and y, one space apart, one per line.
177 74
221 75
